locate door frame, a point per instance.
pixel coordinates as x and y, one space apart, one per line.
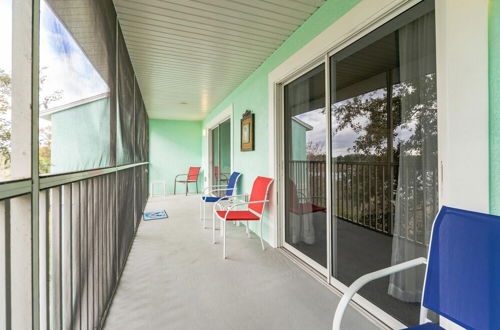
455 120
226 114
280 178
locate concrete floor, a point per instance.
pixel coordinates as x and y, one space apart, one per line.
175 278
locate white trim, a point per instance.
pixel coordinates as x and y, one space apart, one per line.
302 123
462 93
47 113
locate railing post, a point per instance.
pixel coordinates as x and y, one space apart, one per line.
390 151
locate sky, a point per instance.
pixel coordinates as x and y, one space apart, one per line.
344 140
6 35
64 64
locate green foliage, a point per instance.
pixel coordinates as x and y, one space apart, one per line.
368 116
5 126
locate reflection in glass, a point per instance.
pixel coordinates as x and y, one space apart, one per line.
384 162
215 156
74 101
224 171
305 165
221 153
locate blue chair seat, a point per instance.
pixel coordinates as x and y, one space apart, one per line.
210 199
427 326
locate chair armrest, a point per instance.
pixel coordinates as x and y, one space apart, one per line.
178 175
234 196
224 189
245 203
360 282
226 199
205 190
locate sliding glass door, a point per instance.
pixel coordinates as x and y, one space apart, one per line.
381 136
220 167
384 158
305 166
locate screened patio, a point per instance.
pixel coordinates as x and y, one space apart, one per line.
352 110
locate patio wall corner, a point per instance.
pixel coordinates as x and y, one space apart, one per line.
175 145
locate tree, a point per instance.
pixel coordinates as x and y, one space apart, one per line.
5 125
367 116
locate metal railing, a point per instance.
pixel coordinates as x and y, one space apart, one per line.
309 177
364 193
87 226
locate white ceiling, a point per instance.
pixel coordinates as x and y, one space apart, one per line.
190 54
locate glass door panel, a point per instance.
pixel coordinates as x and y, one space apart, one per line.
384 160
215 156
224 152
305 165
220 169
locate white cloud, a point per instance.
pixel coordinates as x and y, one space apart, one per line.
64 64
6 35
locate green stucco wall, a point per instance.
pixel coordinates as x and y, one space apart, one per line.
174 145
299 138
494 94
253 94
77 140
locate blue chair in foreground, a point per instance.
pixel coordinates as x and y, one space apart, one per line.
210 194
462 281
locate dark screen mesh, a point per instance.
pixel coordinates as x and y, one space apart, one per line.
93 221
126 213
78 43
141 119
126 105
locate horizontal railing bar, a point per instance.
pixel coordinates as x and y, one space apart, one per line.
343 163
51 181
16 188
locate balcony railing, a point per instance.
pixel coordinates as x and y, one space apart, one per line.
87 227
364 193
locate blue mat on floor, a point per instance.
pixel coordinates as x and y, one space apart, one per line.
155 215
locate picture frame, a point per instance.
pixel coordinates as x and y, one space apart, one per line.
247 133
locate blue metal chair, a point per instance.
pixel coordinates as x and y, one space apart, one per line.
462 281
209 194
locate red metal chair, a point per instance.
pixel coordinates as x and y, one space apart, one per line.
225 211
220 177
191 177
301 205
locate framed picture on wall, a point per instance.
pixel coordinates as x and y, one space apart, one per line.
247 131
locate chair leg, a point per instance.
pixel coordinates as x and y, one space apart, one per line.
204 217
187 188
248 231
196 186
175 185
224 240
261 241
213 227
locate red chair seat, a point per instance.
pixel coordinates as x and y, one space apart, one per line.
184 181
238 215
306 208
